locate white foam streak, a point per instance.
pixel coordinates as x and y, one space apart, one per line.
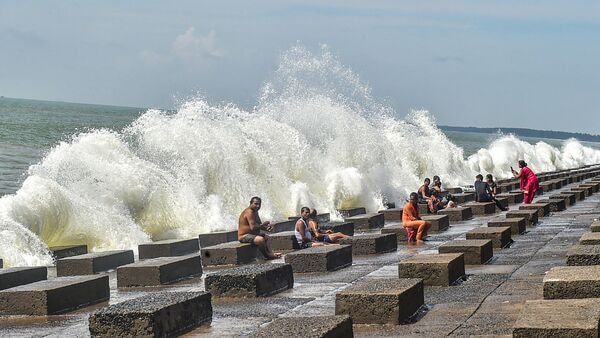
316 138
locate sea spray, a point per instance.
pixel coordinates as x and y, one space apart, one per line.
316 137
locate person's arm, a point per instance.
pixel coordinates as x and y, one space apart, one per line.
314 229
515 173
251 221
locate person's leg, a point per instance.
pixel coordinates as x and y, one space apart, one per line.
262 242
411 230
423 226
527 198
336 236
499 205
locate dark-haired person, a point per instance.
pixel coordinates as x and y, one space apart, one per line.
412 222
483 192
434 203
302 230
424 191
327 236
249 227
529 181
437 184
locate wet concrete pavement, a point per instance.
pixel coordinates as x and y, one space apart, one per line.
487 303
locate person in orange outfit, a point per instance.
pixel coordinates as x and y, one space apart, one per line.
411 220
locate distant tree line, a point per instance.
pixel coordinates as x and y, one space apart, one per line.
561 135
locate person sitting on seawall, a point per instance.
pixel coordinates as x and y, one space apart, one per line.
302 230
451 201
483 193
414 225
434 203
327 236
437 184
493 186
249 226
424 191
529 181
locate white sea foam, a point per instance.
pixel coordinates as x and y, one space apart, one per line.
316 137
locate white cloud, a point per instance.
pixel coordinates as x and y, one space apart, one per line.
190 47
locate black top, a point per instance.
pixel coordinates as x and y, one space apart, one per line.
483 193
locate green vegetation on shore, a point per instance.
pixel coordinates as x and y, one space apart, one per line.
561 135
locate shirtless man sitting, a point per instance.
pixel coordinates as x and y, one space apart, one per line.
249 227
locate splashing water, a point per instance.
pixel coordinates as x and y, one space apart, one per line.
316 137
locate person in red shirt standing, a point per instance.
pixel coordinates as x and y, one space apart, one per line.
529 182
411 220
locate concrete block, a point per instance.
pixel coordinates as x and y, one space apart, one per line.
423 208
169 247
347 228
321 218
219 237
476 251
54 296
367 221
464 197
369 244
531 216
398 230
230 253
558 318
594 185
595 226
1 263
505 187
572 282
12 277
257 280
281 226
458 214
555 204
482 208
59 252
394 214
92 263
440 269
438 222
519 195
547 186
583 255
512 198
349 212
570 197
162 314
565 199
159 271
500 236
381 301
590 238
517 225
453 191
586 191
543 209
320 258
579 193
320 327
284 241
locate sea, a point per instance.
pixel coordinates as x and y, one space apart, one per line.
115 177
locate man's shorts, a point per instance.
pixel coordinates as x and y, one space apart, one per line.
248 238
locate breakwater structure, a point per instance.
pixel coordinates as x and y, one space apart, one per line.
531 271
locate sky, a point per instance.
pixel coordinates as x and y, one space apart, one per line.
529 64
